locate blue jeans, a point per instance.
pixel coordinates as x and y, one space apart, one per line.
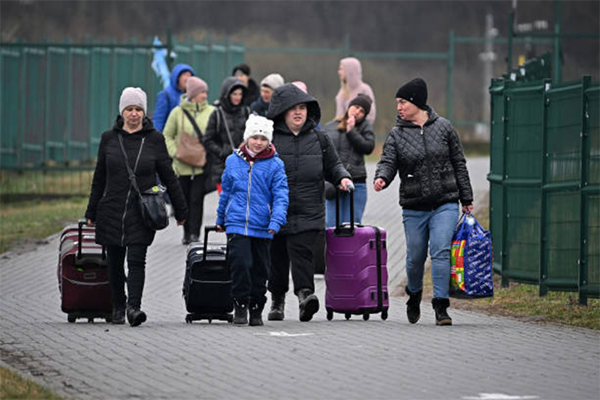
360 201
436 229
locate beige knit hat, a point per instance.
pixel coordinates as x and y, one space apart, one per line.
132 96
273 81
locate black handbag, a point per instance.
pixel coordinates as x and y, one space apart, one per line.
152 201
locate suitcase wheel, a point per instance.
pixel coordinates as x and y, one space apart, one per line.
347 315
188 319
71 318
329 314
384 315
366 316
210 320
90 320
230 318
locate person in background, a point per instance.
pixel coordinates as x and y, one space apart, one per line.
351 85
425 151
225 129
192 179
353 138
309 159
114 208
252 208
267 86
169 98
242 72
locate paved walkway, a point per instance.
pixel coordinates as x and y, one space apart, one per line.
480 357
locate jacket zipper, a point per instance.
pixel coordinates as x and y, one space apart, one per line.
128 194
248 198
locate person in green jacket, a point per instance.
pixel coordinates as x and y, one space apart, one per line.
192 179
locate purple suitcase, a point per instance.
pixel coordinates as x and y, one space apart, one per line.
356 274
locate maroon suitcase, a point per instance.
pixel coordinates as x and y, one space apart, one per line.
83 275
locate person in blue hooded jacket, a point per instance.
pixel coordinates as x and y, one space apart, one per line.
252 208
168 99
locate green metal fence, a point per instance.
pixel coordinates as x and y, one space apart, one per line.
545 184
57 99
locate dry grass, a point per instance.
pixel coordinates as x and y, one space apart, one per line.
13 386
25 222
524 303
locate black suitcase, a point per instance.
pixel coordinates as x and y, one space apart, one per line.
207 283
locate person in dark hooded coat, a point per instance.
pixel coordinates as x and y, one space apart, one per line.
113 205
309 160
226 125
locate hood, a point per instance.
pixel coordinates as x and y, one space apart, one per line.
229 85
146 125
286 97
353 70
430 111
177 70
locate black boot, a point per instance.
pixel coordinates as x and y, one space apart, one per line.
309 304
240 315
118 315
194 238
277 307
186 239
441 315
135 316
256 310
413 305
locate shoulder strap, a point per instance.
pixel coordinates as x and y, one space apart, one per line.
322 142
130 173
227 129
193 121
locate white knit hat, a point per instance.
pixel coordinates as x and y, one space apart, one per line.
257 125
132 96
273 81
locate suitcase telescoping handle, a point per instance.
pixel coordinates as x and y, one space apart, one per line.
339 229
208 228
80 225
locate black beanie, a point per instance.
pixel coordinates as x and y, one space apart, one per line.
244 68
363 101
414 91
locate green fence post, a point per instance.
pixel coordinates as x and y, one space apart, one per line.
450 77
504 251
543 288
347 45
169 48
557 50
585 176
509 36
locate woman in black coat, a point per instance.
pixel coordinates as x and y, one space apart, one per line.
425 151
226 125
114 207
310 158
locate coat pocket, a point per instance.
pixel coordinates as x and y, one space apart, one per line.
410 187
449 181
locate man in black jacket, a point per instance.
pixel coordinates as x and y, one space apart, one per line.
307 163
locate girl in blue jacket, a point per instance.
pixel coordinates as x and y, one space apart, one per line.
252 208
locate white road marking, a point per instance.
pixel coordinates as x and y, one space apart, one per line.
499 396
283 334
